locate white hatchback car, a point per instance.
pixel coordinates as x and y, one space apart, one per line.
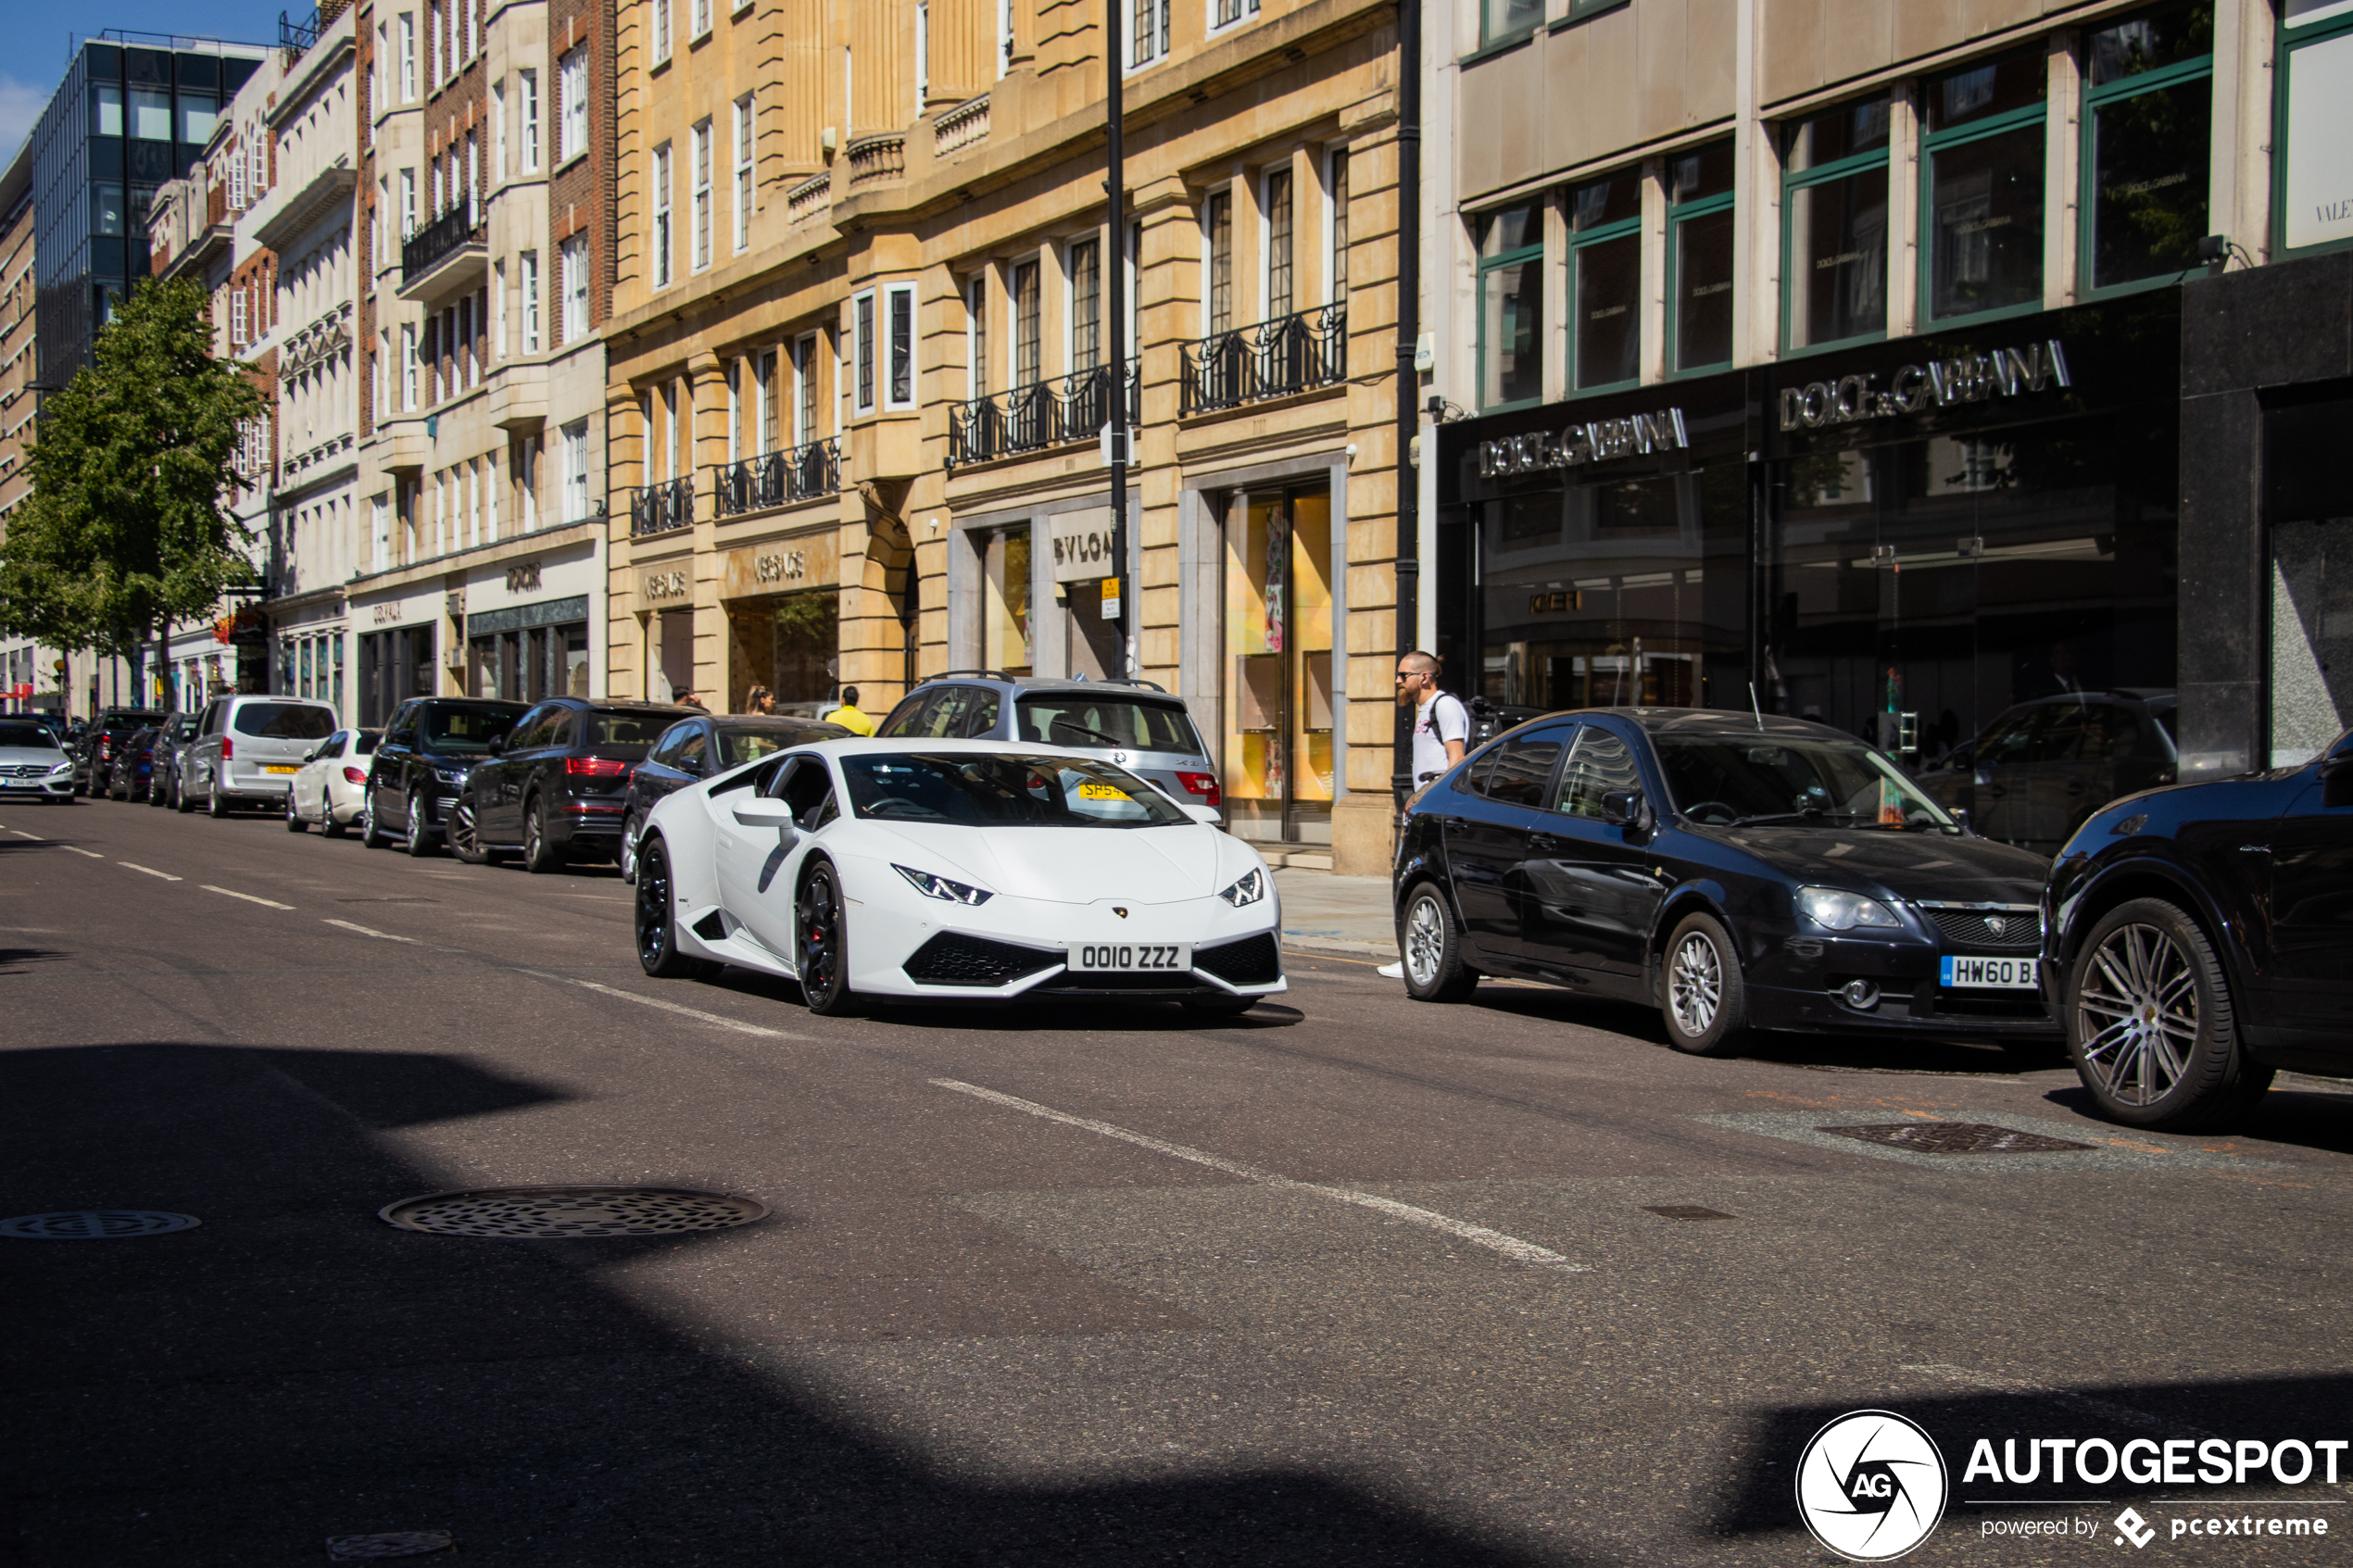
331 784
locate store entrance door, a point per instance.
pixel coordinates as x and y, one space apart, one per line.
1278 644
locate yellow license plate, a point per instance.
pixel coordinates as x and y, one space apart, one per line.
1093 791
280 768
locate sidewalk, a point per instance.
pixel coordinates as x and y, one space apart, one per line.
1345 916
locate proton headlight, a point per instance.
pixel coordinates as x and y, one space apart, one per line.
1249 890
1838 909
932 886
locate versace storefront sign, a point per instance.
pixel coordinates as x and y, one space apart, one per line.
781 566
661 584
1939 384
1635 436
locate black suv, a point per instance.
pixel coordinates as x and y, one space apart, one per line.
420 765
93 754
704 748
555 787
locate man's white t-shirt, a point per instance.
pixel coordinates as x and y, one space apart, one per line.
1439 720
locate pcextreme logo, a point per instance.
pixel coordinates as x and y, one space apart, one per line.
1872 1486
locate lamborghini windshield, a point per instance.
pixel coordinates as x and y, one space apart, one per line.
1008 789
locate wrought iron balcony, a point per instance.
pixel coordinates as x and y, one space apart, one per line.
1043 414
438 241
661 509
1290 354
777 479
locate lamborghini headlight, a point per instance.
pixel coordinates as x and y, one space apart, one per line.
1249 890
932 886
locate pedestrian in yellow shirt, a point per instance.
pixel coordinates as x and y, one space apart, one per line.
848 716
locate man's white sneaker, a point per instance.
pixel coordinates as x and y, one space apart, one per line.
1391 971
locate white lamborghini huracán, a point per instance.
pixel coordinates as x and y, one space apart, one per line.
955 870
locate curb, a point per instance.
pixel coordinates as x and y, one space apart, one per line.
1335 948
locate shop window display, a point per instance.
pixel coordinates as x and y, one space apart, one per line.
1006 632
1278 640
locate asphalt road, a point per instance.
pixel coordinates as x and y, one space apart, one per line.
1348 1281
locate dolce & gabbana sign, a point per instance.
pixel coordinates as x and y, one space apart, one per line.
1939 384
1574 445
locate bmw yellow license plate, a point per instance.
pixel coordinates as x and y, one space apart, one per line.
280 768
1090 790
1131 958
1995 974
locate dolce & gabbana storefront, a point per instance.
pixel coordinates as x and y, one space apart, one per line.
1901 539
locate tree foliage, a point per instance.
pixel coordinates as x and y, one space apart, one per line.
127 526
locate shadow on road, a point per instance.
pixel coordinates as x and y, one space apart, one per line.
295 1369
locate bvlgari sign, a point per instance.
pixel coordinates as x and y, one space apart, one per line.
1635 436
1939 384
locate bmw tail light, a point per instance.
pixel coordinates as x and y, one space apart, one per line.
1204 788
353 775
595 767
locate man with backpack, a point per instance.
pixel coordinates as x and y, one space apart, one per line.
1441 731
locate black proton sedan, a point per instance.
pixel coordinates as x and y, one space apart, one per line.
1737 872
2201 938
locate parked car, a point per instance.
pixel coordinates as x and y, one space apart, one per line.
94 750
704 748
179 730
2200 939
33 765
2040 768
248 749
421 764
1734 871
553 790
956 870
332 784
134 770
1132 724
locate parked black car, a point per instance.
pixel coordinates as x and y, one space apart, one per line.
2043 766
1736 873
420 765
2201 939
703 747
93 751
133 774
554 788
171 744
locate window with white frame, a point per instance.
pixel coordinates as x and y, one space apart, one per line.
1005 37
432 46
657 178
744 148
661 28
1085 311
236 317
702 18
701 195
735 411
527 482
1336 222
1226 12
574 260
527 284
527 112
804 390
670 470
1147 31
976 336
1277 292
498 130
571 86
577 504
408 366
923 56
861 351
408 204
900 303
498 309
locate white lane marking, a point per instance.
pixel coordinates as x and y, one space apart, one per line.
149 870
92 853
233 893
385 935
1510 1247
716 1020
37 838
2085 1403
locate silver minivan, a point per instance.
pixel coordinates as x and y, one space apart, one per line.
247 750
1133 724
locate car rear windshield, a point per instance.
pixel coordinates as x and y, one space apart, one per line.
610 730
466 726
35 736
988 789
123 723
1080 719
365 742
1726 780
750 743
283 720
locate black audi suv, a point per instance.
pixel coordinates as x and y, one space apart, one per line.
2201 939
420 765
553 789
703 747
1735 871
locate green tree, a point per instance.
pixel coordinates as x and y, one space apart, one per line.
127 526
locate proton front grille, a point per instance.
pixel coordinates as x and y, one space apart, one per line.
1250 961
1987 931
953 959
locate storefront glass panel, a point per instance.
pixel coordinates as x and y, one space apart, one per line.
1005 631
1279 641
2150 154
2311 637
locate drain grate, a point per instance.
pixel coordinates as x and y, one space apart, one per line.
391 1543
571 1210
1683 1212
96 1224
1953 1137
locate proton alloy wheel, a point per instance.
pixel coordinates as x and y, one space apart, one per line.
1703 1004
657 919
1430 941
2150 1022
819 944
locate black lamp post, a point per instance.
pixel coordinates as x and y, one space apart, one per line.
1115 186
1409 245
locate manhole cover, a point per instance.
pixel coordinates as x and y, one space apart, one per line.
392 1543
544 1211
1683 1212
1953 1137
96 1224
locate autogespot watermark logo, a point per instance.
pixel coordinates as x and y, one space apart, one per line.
1870 1485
